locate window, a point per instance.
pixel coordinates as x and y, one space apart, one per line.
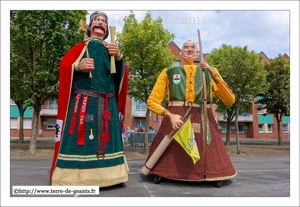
177 63
285 128
270 128
27 122
52 104
13 123
140 122
260 128
140 108
241 127
224 128
260 110
51 123
12 102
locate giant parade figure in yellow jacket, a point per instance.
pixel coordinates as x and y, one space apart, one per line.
184 85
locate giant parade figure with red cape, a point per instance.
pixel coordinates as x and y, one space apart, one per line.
91 105
186 96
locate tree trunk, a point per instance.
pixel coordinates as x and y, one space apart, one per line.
279 132
146 151
237 128
32 146
228 131
21 133
21 112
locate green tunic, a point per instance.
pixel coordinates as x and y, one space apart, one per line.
72 155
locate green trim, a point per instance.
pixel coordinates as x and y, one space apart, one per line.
203 122
88 164
199 86
208 82
89 156
14 112
268 119
286 120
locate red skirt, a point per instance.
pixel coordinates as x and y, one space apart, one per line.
175 163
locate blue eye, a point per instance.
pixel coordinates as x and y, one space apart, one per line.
97 20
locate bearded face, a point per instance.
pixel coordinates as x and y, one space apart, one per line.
189 51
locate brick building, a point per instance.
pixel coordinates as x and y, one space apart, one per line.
251 125
47 120
15 121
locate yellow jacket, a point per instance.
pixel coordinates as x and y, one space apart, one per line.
217 85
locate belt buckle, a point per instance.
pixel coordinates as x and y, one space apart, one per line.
100 156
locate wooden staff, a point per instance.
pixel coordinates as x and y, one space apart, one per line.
112 58
205 106
82 28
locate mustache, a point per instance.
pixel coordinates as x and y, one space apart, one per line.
100 26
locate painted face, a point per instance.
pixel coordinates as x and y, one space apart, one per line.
98 27
189 51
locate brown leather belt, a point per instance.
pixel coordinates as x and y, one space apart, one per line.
183 103
101 97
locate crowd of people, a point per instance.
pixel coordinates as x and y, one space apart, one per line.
130 131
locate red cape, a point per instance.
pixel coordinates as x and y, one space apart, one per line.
65 84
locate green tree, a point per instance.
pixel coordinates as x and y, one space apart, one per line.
39 39
276 99
243 72
145 47
15 84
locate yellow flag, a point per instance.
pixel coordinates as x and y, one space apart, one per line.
186 138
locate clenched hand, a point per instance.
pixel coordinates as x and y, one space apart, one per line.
113 49
86 65
175 120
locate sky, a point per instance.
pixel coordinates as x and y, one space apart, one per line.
261 30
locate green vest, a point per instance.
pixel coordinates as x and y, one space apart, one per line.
177 84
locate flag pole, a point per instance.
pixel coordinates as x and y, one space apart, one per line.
205 107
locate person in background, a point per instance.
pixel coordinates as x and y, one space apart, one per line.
140 129
129 132
123 134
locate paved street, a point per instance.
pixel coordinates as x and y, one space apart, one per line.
263 167
257 177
